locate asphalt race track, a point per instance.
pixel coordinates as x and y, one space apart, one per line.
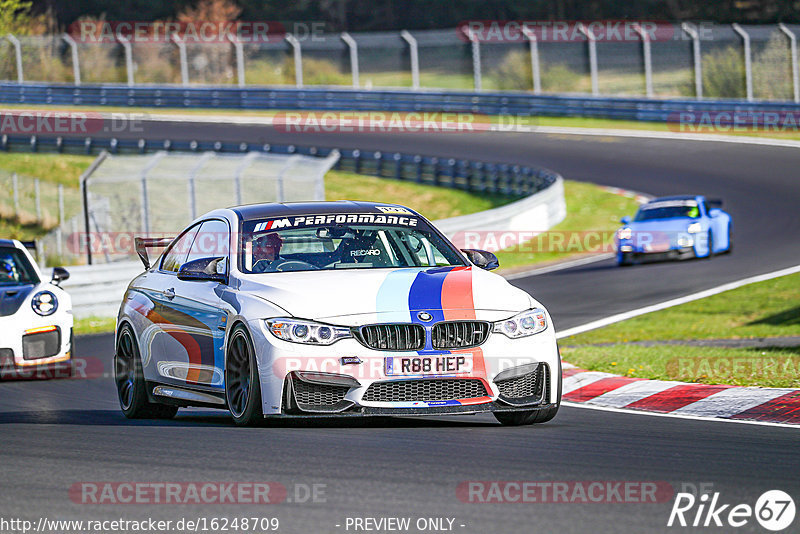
59 433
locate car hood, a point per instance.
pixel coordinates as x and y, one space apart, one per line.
356 297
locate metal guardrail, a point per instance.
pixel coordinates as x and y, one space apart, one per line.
639 109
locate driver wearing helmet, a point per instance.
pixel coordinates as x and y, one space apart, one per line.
8 270
266 253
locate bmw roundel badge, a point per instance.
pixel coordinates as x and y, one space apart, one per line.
424 316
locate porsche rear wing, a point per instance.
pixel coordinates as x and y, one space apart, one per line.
714 202
143 243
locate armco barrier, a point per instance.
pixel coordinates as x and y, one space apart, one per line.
640 109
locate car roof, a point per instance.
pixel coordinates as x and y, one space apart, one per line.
8 243
275 209
674 197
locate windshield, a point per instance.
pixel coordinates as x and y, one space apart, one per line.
668 210
15 269
345 241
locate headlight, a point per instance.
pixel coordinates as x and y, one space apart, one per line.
44 303
308 332
624 233
695 228
525 324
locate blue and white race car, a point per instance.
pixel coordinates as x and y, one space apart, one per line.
330 309
675 227
35 317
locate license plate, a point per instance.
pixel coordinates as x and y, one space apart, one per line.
444 364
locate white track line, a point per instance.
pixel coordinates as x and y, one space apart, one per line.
705 419
559 266
675 302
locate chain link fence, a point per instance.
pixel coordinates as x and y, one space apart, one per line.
729 61
158 194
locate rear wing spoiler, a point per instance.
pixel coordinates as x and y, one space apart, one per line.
29 244
714 202
143 243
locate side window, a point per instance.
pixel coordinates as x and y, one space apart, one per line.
212 241
176 255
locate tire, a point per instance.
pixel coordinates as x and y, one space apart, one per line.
624 259
532 417
242 383
129 379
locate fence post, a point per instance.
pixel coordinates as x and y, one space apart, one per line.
592 56
697 59
59 238
748 67
237 45
648 64
414 54
298 59
192 175
476 57
18 55
353 46
76 67
38 199
15 185
85 194
237 175
793 50
145 198
126 44
182 53
534 46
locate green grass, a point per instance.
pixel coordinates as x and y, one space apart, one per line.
63 169
431 201
771 367
591 211
762 310
94 325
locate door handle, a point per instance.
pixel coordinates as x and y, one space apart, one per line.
169 293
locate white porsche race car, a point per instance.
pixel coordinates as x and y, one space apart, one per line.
35 316
330 309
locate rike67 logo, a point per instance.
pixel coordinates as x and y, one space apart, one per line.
774 510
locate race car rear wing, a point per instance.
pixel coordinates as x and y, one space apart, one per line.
714 202
29 244
143 243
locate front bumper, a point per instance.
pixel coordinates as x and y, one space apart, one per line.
282 366
39 347
641 255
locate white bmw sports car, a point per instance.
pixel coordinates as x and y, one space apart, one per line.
330 309
35 316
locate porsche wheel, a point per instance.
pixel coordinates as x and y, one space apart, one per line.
129 378
242 385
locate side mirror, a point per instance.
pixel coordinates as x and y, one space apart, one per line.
625 220
204 270
482 258
59 275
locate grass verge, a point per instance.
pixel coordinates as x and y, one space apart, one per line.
592 216
762 310
94 325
